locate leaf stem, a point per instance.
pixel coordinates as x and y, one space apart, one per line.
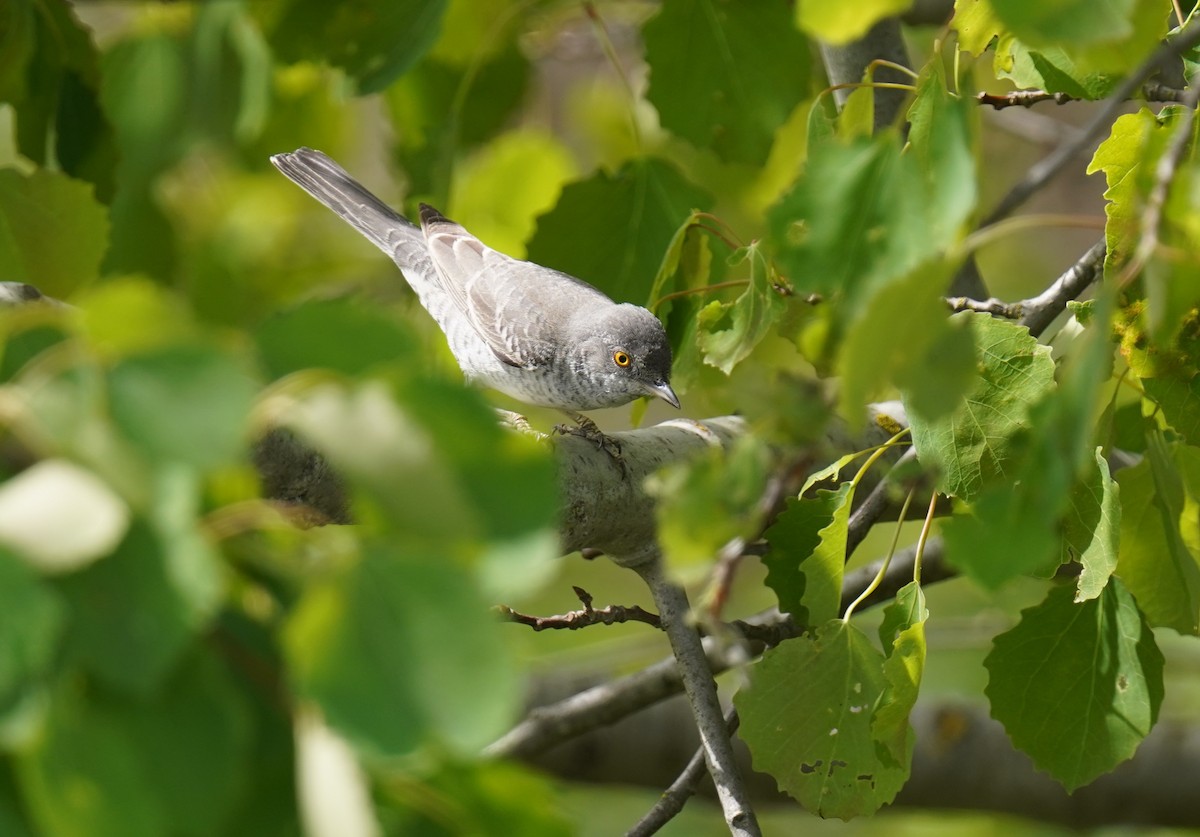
887 560
923 538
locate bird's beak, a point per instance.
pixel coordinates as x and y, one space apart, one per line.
664 392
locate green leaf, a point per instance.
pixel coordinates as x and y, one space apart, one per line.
1004 534
1126 158
30 631
40 211
976 444
183 404
717 82
976 24
1154 561
1049 68
133 613
803 541
705 503
903 336
903 634
395 651
942 144
192 742
746 320
345 336
1180 403
1077 685
839 23
1066 20
501 189
441 110
822 690
489 797
629 219
1092 528
373 41
826 248
82 778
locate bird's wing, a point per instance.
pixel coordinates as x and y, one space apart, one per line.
505 299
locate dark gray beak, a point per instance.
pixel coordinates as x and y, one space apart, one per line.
664 392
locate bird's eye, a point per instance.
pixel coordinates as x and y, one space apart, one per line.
622 359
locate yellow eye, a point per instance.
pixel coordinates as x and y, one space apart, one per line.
621 359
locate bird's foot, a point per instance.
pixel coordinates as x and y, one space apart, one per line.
585 428
518 422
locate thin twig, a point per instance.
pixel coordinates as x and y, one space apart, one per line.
680 791
1038 312
1022 98
1044 170
576 619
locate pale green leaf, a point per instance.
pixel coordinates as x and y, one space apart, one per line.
838 23
1092 528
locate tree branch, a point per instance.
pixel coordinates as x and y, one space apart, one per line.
680 791
1045 170
701 689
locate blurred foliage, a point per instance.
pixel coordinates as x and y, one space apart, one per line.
177 657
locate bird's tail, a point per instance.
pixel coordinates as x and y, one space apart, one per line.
329 183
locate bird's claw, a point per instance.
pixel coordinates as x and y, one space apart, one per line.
585 428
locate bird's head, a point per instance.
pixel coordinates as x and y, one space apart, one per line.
627 353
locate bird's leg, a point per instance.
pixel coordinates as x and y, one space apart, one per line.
585 428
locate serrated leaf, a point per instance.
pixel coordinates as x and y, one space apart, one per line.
1077 685
794 538
839 23
717 82
612 230
1092 528
750 317
976 444
38 212
807 716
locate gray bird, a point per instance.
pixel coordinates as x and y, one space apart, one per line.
539 335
